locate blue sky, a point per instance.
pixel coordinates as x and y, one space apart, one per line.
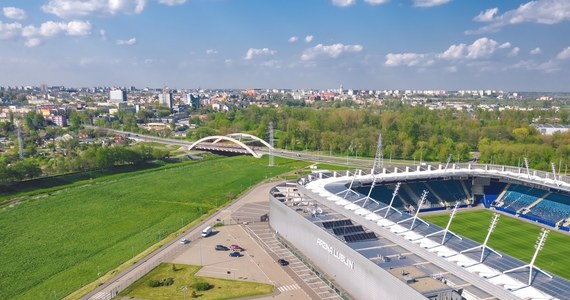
363 44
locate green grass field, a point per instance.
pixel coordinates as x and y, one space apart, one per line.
513 237
184 277
62 240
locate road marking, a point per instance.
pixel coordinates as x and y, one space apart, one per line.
101 295
290 287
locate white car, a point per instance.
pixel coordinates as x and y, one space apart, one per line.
184 241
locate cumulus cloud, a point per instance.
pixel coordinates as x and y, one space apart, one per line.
535 51
329 51
486 16
309 38
343 3
71 8
514 52
14 13
172 2
9 30
35 35
564 54
546 12
404 59
505 45
429 3
376 2
293 39
454 52
253 52
211 51
128 42
103 34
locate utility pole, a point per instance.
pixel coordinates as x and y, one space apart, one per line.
271 142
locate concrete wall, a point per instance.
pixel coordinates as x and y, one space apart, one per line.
360 277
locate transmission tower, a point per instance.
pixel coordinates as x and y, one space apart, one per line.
20 142
271 142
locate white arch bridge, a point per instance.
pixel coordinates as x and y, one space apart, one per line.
236 146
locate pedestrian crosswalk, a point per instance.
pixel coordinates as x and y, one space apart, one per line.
290 287
101 296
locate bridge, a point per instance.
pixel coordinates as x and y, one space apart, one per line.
231 143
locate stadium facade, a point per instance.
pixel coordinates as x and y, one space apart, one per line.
341 223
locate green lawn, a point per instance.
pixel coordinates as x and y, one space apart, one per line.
513 237
61 241
184 279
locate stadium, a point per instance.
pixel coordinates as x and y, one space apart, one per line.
364 231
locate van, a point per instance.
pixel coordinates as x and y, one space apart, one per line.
207 231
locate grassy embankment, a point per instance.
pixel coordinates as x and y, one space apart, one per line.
56 242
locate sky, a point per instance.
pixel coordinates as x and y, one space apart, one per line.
515 45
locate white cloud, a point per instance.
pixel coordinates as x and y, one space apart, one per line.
343 3
309 38
514 52
293 39
505 45
70 8
481 48
564 54
128 42
376 2
14 13
549 66
9 30
51 29
172 2
103 34
404 59
211 51
535 51
429 3
486 16
546 12
253 52
329 51
454 52
33 42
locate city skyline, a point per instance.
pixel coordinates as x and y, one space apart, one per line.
362 44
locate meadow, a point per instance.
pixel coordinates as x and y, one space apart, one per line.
56 242
183 286
513 237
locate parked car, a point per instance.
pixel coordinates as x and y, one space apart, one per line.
235 254
184 241
236 248
221 248
282 262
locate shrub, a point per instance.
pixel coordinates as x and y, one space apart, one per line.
168 281
202 286
155 283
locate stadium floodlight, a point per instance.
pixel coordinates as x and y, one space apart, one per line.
369 192
484 245
379 157
349 189
527 168
447 163
554 173
446 230
415 217
538 246
390 207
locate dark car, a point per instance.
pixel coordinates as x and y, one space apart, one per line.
235 254
221 248
282 262
236 248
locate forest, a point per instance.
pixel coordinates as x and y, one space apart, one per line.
411 133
